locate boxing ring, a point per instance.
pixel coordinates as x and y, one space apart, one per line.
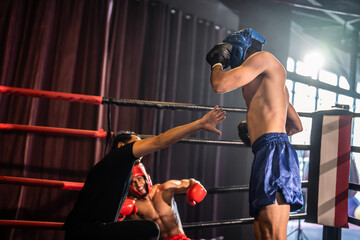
98 100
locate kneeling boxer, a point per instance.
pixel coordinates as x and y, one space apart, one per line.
156 203
95 213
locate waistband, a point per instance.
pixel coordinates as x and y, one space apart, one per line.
268 138
177 237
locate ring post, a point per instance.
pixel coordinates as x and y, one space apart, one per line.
329 171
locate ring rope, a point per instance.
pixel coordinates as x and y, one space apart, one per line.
32 224
105 100
241 188
206 141
72 97
66 185
54 130
76 186
354 220
166 105
102 134
234 222
355 149
58 225
354 186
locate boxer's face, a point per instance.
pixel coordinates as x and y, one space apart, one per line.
138 183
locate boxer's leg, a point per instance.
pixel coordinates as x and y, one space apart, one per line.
273 219
257 232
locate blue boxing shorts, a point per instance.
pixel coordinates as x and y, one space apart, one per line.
275 169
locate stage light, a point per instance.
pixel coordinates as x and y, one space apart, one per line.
314 60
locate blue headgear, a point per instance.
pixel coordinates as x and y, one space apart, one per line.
241 41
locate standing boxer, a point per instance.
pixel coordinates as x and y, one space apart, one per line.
96 211
157 203
275 184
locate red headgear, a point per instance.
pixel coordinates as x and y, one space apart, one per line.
139 170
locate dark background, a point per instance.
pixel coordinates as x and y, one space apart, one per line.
148 50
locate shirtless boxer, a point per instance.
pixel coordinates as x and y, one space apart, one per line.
156 203
275 184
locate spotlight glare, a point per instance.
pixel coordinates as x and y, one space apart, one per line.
314 59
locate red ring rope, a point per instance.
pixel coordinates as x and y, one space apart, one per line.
22 223
76 186
71 97
62 131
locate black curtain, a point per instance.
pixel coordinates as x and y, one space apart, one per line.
119 49
57 46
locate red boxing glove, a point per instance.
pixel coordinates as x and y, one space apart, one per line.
128 207
195 194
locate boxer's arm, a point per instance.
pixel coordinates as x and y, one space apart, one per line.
195 192
128 210
129 207
177 186
293 122
220 55
225 81
208 123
